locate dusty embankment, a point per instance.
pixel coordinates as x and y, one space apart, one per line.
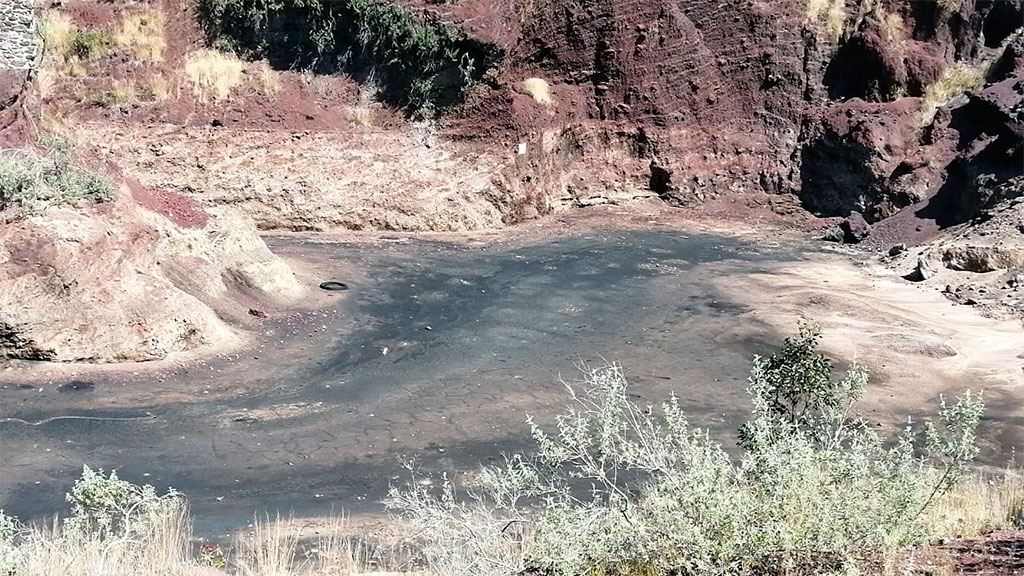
139 278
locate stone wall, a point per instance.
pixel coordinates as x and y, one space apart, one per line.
18 41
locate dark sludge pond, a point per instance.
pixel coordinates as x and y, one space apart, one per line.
436 352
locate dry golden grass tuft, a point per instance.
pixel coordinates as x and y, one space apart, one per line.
538 89
956 80
143 34
982 504
268 549
213 74
57 32
359 115
68 48
892 24
266 78
46 82
121 92
160 87
950 6
832 11
55 549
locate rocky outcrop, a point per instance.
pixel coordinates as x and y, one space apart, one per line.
871 152
717 90
865 156
989 166
983 258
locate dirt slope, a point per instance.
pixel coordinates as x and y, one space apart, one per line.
140 278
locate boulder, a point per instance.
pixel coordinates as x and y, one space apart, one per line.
922 271
897 249
855 228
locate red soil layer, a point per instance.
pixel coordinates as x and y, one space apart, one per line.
181 210
998 554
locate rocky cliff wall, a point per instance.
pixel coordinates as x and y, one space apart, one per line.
752 95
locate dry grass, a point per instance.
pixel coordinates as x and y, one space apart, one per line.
213 74
123 92
272 548
956 80
57 32
950 6
46 82
265 78
833 12
53 549
268 549
892 24
143 34
981 504
538 89
160 87
68 48
335 553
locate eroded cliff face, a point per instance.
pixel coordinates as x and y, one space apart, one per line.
832 103
709 95
896 131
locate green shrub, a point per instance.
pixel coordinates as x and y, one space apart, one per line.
116 527
108 505
32 182
618 488
90 43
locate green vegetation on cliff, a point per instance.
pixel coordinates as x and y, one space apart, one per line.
422 63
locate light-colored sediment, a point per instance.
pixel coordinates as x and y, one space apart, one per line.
916 343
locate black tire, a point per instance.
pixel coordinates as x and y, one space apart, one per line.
333 286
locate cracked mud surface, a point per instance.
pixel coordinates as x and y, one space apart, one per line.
437 352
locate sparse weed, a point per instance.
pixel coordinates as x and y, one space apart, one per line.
67 47
57 31
160 87
267 549
265 77
116 528
982 503
90 43
359 115
955 81
833 12
122 92
33 183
